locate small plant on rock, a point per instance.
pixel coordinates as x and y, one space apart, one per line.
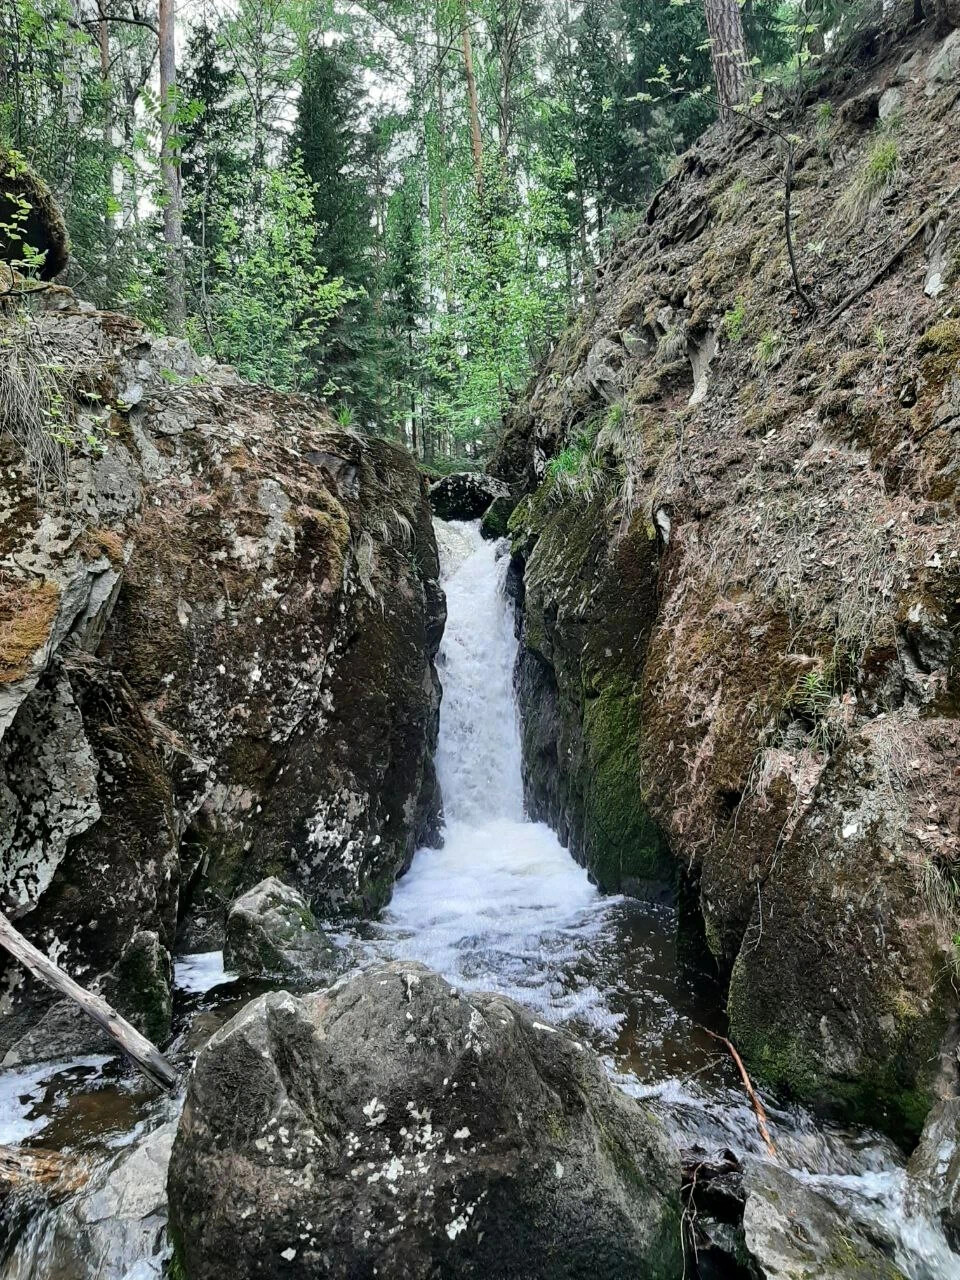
872 181
767 351
735 322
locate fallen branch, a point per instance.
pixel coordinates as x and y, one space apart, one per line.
751 1092
137 1047
894 258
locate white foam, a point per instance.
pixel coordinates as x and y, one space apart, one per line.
502 905
201 972
22 1091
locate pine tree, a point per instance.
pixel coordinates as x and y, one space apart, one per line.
337 148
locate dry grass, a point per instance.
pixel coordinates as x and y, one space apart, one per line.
36 401
27 612
107 542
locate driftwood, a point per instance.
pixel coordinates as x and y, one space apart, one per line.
751 1092
137 1047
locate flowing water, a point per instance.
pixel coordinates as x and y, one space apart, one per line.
501 906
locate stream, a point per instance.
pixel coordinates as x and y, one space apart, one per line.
501 906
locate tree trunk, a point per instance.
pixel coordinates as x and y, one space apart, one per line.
106 121
170 171
728 53
473 103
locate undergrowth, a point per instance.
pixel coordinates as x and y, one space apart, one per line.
38 399
875 177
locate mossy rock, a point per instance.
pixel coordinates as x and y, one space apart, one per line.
496 518
30 220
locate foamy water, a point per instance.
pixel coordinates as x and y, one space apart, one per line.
502 905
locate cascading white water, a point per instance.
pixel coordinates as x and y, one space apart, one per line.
502 904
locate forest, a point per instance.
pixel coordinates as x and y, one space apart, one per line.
395 205
479 639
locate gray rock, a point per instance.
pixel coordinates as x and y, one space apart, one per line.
271 931
935 1164
944 64
465 495
217 666
792 1232
396 1127
891 101
112 1228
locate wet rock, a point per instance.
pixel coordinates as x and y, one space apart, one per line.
465 495
497 516
396 1127
741 636
112 1228
935 1164
200 680
272 932
792 1232
588 602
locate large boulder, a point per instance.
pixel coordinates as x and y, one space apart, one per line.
216 660
33 236
271 932
465 495
397 1127
792 1232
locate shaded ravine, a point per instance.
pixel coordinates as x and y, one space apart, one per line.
501 906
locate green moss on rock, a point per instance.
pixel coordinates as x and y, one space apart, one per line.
627 847
30 219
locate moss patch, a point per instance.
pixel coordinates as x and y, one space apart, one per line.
27 612
627 847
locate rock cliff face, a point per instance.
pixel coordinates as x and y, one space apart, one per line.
739 558
216 656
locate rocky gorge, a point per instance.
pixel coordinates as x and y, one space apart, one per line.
217 663
452 987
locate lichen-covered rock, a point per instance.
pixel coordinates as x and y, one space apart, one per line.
465 495
216 660
33 236
271 932
397 1127
793 1233
741 586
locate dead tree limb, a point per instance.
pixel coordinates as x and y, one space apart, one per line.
788 225
137 1047
751 1092
894 258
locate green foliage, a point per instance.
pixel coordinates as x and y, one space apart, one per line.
874 178
270 301
734 322
768 349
